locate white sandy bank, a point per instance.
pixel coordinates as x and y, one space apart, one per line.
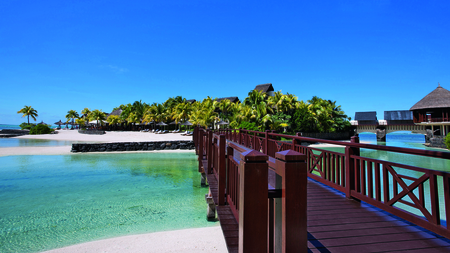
188 240
73 135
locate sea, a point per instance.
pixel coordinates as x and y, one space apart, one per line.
53 201
7 126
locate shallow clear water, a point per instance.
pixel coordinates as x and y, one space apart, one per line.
404 141
54 201
7 126
15 142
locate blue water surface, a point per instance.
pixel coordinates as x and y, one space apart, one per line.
54 201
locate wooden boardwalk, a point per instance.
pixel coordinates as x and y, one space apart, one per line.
336 224
326 208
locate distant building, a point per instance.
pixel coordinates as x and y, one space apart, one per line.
115 112
433 110
232 99
400 117
366 118
266 88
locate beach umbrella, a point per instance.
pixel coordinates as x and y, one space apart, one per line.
222 123
173 123
59 123
186 123
162 124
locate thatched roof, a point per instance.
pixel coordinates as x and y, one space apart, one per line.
232 99
116 112
366 116
439 98
264 87
191 101
398 115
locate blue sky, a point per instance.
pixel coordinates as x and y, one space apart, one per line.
370 55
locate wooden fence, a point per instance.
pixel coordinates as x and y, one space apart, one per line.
243 165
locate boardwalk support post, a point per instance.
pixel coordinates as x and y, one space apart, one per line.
222 180
291 166
253 211
211 210
352 172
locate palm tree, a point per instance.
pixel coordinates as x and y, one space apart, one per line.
133 118
72 114
85 112
80 121
181 112
28 111
113 120
97 115
156 113
224 107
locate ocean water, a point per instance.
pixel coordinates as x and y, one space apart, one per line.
15 142
5 126
54 201
404 140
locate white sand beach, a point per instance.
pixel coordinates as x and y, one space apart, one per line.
73 135
208 239
188 240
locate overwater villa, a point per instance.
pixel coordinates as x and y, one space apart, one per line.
433 110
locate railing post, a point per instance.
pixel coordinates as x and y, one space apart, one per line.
194 138
221 170
291 165
266 142
200 149
351 171
209 143
253 202
239 136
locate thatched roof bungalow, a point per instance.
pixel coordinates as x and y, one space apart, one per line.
266 88
433 109
232 99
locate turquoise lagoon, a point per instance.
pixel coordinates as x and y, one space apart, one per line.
54 201
16 142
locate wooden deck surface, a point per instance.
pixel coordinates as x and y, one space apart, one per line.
336 224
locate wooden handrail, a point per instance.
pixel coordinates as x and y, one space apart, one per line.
353 175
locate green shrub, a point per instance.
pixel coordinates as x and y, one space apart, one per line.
249 126
447 141
25 125
41 129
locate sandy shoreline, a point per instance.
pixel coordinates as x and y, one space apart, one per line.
73 135
209 239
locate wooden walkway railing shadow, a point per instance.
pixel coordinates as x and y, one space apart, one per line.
265 203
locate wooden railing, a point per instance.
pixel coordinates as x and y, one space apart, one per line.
245 172
418 195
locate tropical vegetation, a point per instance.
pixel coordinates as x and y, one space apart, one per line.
447 141
28 111
41 129
280 112
258 111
